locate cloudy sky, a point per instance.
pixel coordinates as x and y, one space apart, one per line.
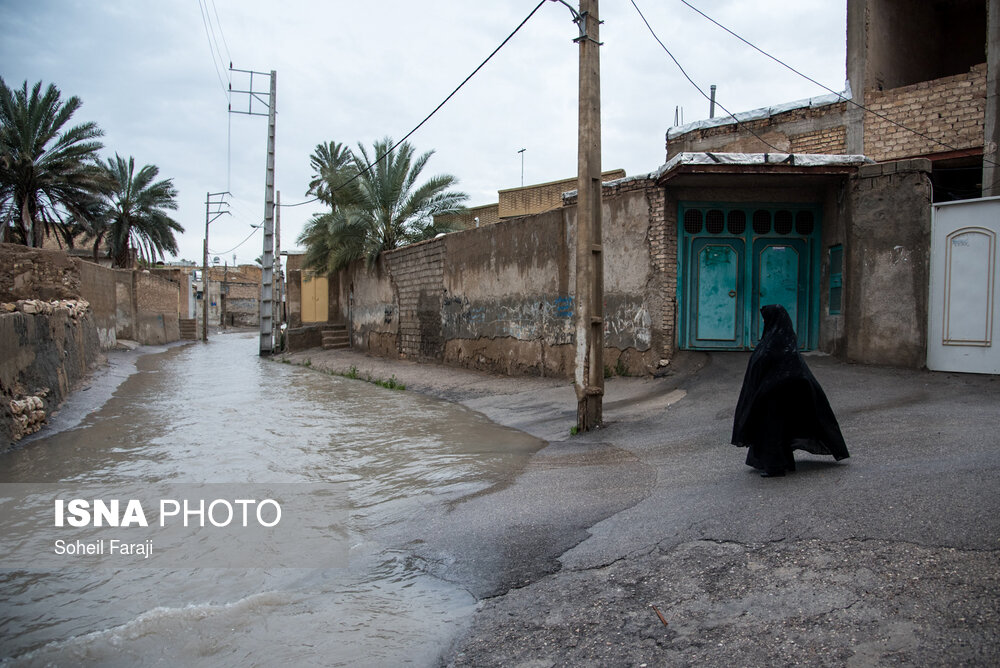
358 71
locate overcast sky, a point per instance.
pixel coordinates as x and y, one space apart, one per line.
358 71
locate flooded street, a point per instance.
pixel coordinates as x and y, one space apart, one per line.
217 413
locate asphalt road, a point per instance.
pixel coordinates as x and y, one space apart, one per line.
649 542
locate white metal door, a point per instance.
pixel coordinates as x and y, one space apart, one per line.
963 320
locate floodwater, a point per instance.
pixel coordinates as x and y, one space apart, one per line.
216 412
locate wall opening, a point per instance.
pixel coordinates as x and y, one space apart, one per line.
910 42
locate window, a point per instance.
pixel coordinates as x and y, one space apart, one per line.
836 279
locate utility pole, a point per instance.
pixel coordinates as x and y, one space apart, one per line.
213 209
589 375
278 282
267 259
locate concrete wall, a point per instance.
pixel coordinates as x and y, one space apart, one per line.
887 259
369 305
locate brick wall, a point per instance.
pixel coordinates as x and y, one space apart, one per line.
804 129
488 214
416 274
950 110
542 197
156 300
830 141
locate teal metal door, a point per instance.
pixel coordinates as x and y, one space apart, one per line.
780 277
734 258
717 293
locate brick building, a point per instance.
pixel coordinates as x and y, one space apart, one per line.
919 78
522 201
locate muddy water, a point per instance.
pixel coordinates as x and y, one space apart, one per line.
218 413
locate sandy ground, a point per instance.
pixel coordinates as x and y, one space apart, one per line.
649 542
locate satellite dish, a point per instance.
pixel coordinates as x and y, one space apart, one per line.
215 260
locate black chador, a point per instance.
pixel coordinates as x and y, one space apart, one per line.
781 407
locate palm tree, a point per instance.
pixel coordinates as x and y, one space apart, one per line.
50 183
333 164
135 215
382 208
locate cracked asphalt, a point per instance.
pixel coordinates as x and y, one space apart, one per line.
649 542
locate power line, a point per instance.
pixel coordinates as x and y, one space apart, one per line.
428 117
826 88
212 49
697 87
256 229
219 23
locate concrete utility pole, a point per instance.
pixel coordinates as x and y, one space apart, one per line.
278 283
267 259
589 377
267 275
210 215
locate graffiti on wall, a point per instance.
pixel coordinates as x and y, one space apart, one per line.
548 318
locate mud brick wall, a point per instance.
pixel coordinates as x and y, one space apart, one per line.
950 110
97 286
507 300
34 273
157 300
416 275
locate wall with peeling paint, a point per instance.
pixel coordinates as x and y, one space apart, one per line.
500 297
887 264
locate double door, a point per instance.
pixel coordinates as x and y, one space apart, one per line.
729 269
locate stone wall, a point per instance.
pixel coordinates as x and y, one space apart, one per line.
950 110
42 357
886 268
34 273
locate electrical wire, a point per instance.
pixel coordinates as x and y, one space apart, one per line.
212 49
428 117
219 23
697 87
225 252
830 90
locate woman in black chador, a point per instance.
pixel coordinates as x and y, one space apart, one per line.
782 408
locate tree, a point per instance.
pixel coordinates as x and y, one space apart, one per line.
135 213
50 182
375 206
333 166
